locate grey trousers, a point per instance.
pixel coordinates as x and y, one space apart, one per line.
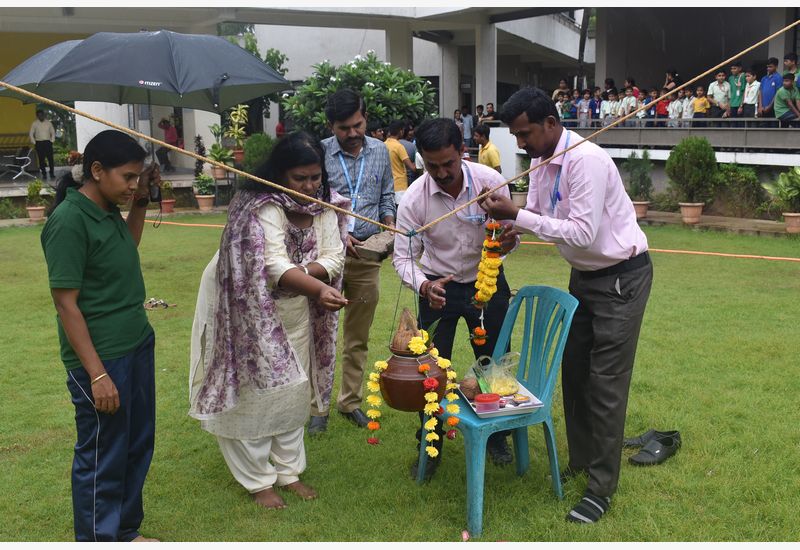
597 367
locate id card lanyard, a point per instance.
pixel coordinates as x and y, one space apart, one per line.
555 196
351 221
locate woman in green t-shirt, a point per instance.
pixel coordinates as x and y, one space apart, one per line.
107 343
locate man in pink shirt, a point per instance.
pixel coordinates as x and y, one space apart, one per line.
448 253
578 202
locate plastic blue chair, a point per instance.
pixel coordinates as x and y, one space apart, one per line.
548 315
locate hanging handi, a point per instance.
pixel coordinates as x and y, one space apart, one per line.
488 271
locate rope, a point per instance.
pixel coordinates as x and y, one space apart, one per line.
595 134
411 233
129 131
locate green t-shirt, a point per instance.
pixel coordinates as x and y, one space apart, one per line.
92 250
782 99
738 84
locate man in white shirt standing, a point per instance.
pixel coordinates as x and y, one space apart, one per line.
43 135
719 95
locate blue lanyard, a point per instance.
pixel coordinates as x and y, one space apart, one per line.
470 183
349 180
555 196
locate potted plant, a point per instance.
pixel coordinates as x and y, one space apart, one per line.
222 155
167 197
204 192
256 151
786 195
640 185
519 191
236 130
217 131
35 203
692 171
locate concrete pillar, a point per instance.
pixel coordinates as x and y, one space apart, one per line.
485 65
449 83
400 46
86 129
779 17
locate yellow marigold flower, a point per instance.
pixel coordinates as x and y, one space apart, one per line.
374 376
431 423
452 396
432 451
451 374
374 400
452 386
373 386
373 413
434 353
452 408
381 365
432 436
431 397
417 345
431 408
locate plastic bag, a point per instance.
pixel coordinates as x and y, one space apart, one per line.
502 375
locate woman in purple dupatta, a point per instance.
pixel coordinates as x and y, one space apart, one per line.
264 336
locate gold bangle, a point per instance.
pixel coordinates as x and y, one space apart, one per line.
99 378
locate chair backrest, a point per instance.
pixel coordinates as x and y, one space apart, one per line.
548 316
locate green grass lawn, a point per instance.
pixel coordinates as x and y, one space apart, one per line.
717 360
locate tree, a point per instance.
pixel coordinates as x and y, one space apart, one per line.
391 93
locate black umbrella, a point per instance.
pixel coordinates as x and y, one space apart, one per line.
194 71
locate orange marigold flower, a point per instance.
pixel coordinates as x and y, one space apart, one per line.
372 425
452 421
492 254
493 226
424 367
479 331
479 341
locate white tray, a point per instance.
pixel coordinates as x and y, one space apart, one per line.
510 408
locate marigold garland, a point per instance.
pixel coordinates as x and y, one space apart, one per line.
488 271
419 345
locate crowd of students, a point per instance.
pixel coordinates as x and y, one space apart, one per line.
736 93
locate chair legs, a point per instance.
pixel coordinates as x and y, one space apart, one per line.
552 453
423 460
521 452
476 468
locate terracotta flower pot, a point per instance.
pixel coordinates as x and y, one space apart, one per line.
238 155
641 208
691 211
167 206
205 202
218 173
792 220
519 198
401 383
35 213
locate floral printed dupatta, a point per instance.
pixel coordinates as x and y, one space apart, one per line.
251 348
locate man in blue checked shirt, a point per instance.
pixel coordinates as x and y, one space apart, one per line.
358 168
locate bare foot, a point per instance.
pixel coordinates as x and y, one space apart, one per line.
269 499
302 490
140 538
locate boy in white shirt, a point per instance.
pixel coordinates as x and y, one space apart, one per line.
687 112
628 105
749 107
675 111
719 95
608 109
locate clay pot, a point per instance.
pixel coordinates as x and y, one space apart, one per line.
519 198
401 383
218 173
205 202
167 206
641 208
35 213
238 156
691 211
792 220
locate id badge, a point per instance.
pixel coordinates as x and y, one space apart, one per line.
351 224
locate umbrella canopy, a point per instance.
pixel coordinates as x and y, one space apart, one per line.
194 71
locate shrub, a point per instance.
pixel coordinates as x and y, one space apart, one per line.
665 202
34 193
692 170
200 149
204 185
256 150
391 93
785 191
640 185
738 191
9 210
166 190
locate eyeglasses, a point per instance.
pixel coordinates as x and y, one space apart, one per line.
297 250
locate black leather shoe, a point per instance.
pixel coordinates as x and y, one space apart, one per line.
318 425
356 416
656 450
499 452
649 435
430 468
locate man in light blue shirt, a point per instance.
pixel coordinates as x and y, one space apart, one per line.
469 125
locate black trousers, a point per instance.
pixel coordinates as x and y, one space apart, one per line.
597 367
459 306
44 152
